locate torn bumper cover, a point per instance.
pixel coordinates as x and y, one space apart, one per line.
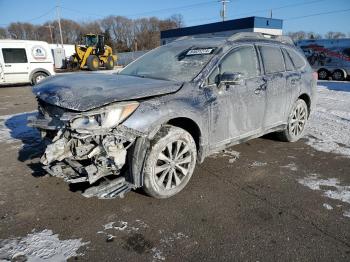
86 156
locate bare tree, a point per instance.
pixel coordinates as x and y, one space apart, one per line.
3 33
122 33
334 35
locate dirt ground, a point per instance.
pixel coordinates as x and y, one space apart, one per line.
249 203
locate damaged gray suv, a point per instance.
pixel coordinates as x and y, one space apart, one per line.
150 124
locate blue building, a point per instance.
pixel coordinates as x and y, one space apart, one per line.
227 28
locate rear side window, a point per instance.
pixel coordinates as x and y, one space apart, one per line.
241 60
14 55
272 59
298 60
287 61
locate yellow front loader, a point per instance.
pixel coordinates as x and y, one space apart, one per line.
93 53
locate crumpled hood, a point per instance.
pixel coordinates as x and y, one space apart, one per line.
86 91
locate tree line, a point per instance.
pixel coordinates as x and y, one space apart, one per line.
300 35
121 33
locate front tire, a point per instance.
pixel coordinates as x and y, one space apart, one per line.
323 74
93 62
296 122
170 162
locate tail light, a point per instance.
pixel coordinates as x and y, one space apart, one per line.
315 75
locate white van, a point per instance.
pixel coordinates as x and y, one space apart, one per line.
23 61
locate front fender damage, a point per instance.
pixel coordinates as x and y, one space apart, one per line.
97 159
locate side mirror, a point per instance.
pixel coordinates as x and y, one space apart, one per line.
231 78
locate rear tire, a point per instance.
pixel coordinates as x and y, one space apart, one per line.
110 63
296 122
323 74
170 162
93 62
338 75
38 77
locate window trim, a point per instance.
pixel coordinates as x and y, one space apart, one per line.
205 82
288 49
22 48
262 60
285 53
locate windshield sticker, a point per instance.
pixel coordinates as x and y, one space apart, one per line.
202 51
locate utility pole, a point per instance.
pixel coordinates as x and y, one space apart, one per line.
58 8
223 10
50 27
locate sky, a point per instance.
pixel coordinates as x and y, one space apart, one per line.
297 14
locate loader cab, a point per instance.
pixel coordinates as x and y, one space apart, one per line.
97 41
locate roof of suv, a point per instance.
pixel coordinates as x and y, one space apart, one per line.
242 36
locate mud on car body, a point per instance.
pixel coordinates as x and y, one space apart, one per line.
149 125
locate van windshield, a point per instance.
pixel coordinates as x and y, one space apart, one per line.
178 62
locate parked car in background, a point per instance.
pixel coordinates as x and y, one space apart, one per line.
149 125
24 61
329 57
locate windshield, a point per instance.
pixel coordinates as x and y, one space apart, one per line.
178 62
90 40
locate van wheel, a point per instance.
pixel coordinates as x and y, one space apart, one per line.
93 62
38 77
296 122
323 74
110 63
170 162
338 75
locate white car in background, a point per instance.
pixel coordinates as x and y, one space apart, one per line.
23 61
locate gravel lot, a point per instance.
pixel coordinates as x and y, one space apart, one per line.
263 200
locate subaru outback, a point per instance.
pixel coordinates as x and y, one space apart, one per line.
149 125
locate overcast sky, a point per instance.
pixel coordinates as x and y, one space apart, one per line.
297 14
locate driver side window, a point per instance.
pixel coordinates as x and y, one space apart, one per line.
240 60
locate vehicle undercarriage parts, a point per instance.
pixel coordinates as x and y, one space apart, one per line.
88 157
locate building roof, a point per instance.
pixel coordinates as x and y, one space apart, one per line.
236 24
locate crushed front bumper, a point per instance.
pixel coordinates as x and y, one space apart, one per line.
97 158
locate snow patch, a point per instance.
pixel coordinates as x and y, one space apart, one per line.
39 247
291 166
14 128
327 206
258 164
329 125
232 154
330 187
346 214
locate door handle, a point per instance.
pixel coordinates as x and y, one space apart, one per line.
8 65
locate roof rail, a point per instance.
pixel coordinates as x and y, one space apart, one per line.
183 38
256 35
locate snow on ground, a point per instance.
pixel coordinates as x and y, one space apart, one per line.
39 247
329 126
331 188
14 128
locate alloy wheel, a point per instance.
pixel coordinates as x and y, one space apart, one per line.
298 120
173 164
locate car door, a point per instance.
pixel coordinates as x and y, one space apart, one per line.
276 99
238 109
16 69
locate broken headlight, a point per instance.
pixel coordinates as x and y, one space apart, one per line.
103 118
